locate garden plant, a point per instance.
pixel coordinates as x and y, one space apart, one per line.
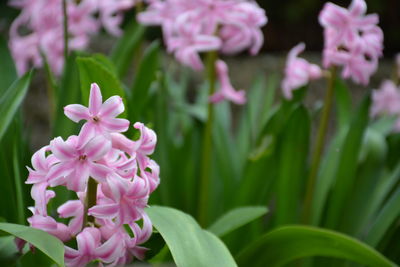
156 158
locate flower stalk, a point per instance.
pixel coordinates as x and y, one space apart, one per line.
65 28
319 146
207 143
90 201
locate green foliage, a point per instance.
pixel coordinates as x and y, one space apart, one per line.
285 244
43 241
189 244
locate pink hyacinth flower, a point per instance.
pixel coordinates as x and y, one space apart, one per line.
226 91
111 14
298 71
352 40
76 165
386 100
128 200
189 43
100 117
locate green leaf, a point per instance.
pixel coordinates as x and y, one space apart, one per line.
346 171
189 244
343 103
11 100
69 93
145 75
124 50
385 218
8 73
235 219
43 241
91 71
293 151
285 244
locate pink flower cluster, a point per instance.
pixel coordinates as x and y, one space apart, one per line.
38 30
298 71
121 173
352 40
191 27
386 101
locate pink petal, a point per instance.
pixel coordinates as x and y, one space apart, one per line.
87 132
59 170
62 150
77 112
106 211
115 125
95 100
112 107
112 249
39 160
97 148
99 172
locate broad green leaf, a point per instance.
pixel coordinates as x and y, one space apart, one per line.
144 77
48 244
389 213
235 219
124 50
293 151
93 71
8 73
288 243
349 156
189 244
11 100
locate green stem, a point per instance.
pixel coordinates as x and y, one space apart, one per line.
65 28
319 146
207 144
90 201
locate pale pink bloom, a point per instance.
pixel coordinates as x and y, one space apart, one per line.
100 117
111 14
386 100
128 199
229 26
298 71
76 165
189 43
42 20
352 40
125 177
226 91
90 248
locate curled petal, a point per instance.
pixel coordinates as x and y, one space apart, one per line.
62 150
107 211
77 112
97 148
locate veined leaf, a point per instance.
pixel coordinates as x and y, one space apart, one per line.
235 219
43 241
189 244
285 244
11 100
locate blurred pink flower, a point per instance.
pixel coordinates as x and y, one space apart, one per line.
42 20
352 40
226 91
386 100
298 71
100 117
192 26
